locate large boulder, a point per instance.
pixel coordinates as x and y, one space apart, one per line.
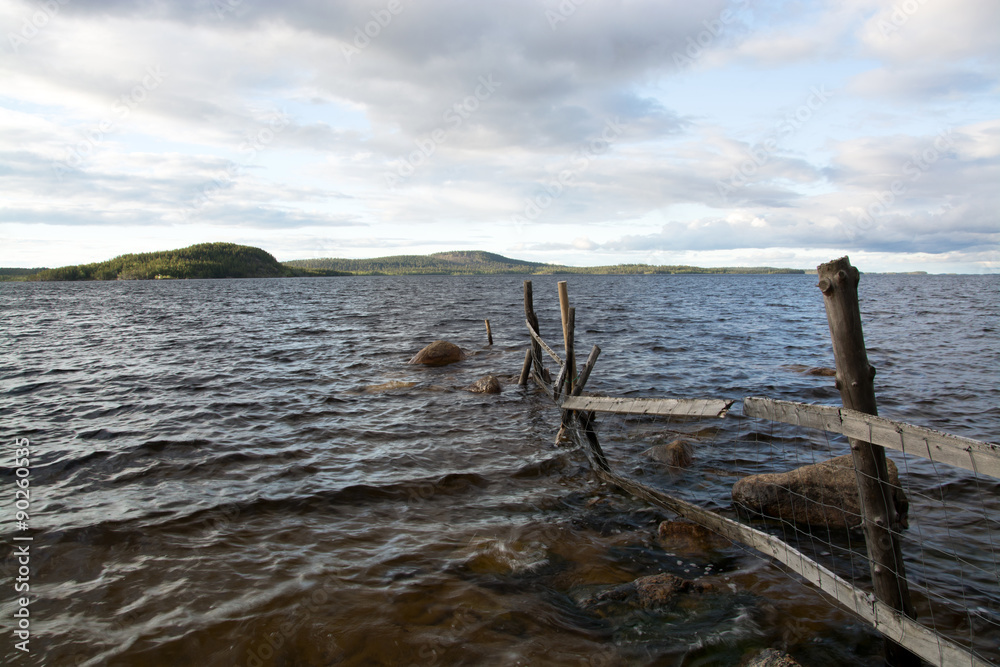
438 353
486 385
822 494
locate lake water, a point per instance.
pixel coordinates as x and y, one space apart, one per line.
247 472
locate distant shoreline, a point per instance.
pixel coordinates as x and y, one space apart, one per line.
228 260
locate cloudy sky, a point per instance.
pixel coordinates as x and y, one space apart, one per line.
585 132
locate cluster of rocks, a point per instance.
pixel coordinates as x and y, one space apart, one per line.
442 353
665 593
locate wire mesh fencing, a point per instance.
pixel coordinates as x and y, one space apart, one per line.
791 493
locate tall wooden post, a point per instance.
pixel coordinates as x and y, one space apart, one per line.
567 326
838 281
563 308
571 351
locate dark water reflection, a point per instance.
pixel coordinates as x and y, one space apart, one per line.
216 481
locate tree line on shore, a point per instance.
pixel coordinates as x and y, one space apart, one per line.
229 260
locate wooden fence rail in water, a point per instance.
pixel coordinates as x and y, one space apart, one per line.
907 639
979 457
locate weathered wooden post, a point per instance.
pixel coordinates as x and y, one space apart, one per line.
489 332
585 371
571 351
838 281
563 306
532 319
525 369
567 326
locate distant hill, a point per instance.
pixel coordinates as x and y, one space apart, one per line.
228 260
463 262
205 260
477 262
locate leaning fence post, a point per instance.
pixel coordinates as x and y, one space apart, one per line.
532 318
838 281
522 380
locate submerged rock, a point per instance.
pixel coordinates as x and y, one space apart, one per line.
486 385
770 657
387 386
438 353
678 453
822 494
684 537
819 371
650 592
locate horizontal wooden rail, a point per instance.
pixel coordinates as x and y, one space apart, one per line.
545 346
890 623
666 407
979 457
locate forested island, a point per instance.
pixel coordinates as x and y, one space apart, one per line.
205 260
229 260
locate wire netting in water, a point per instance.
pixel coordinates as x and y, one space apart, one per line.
949 532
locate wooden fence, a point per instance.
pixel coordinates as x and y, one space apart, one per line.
887 608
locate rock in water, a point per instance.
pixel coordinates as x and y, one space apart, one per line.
772 658
684 537
650 592
438 353
487 385
822 494
677 453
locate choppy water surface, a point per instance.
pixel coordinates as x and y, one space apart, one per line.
247 472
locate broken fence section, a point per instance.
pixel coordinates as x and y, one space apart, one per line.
799 549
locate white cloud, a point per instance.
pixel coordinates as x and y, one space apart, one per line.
202 150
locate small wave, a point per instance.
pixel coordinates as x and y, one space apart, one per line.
27 388
225 514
